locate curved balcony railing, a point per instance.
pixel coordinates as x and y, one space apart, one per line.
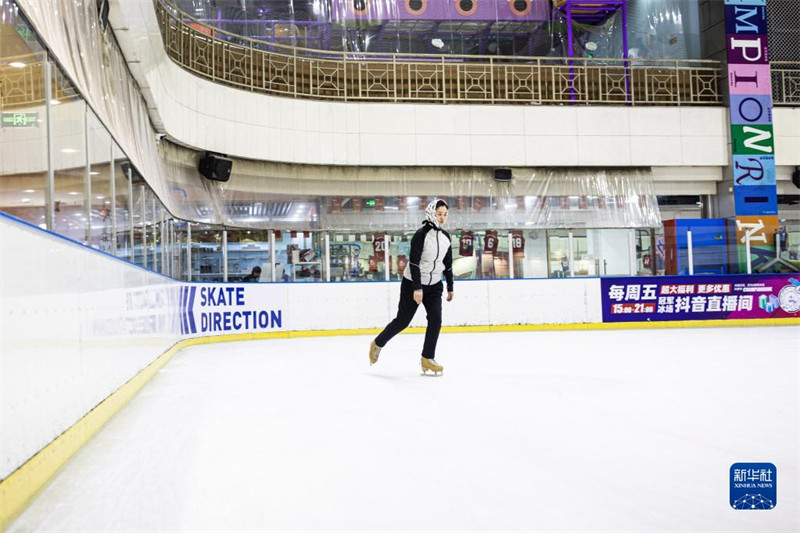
277 69
23 85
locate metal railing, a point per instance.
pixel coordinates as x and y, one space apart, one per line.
785 83
278 69
24 86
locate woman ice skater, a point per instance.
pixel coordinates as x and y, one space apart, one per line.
430 259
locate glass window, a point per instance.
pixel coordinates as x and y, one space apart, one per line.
609 248
645 252
206 253
100 179
23 143
350 254
491 250
138 218
123 204
248 249
69 155
298 255
530 253
399 246
558 253
181 250
465 254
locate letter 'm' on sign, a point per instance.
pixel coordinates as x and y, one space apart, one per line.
743 23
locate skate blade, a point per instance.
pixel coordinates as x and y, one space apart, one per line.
432 374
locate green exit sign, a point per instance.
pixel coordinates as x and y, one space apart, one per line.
20 120
370 203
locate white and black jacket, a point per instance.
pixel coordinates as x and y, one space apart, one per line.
431 257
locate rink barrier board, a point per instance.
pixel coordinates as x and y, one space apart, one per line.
21 486
755 322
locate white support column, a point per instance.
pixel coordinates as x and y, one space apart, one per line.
224 254
510 255
327 255
50 185
387 260
571 256
130 215
188 251
87 176
632 252
747 252
691 252
113 173
272 254
143 214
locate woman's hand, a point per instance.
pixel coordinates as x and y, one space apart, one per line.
449 296
418 297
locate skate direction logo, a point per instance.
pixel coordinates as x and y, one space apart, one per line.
753 486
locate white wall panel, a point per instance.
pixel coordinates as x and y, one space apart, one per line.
653 150
551 151
604 121
705 151
497 150
550 121
604 151
655 121
787 135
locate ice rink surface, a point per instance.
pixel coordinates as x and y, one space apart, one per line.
629 430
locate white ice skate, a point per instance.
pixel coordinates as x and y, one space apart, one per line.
432 365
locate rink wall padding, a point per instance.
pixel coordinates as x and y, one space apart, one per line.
83 331
18 489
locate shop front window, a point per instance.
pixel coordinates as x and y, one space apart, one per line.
645 252
603 252
559 255
248 249
206 247
298 256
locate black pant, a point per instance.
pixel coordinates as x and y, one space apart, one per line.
432 300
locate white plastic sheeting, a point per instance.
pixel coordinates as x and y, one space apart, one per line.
93 61
299 197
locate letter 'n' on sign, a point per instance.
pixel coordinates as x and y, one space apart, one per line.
761 230
756 139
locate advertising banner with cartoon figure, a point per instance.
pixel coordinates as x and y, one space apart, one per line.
701 297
